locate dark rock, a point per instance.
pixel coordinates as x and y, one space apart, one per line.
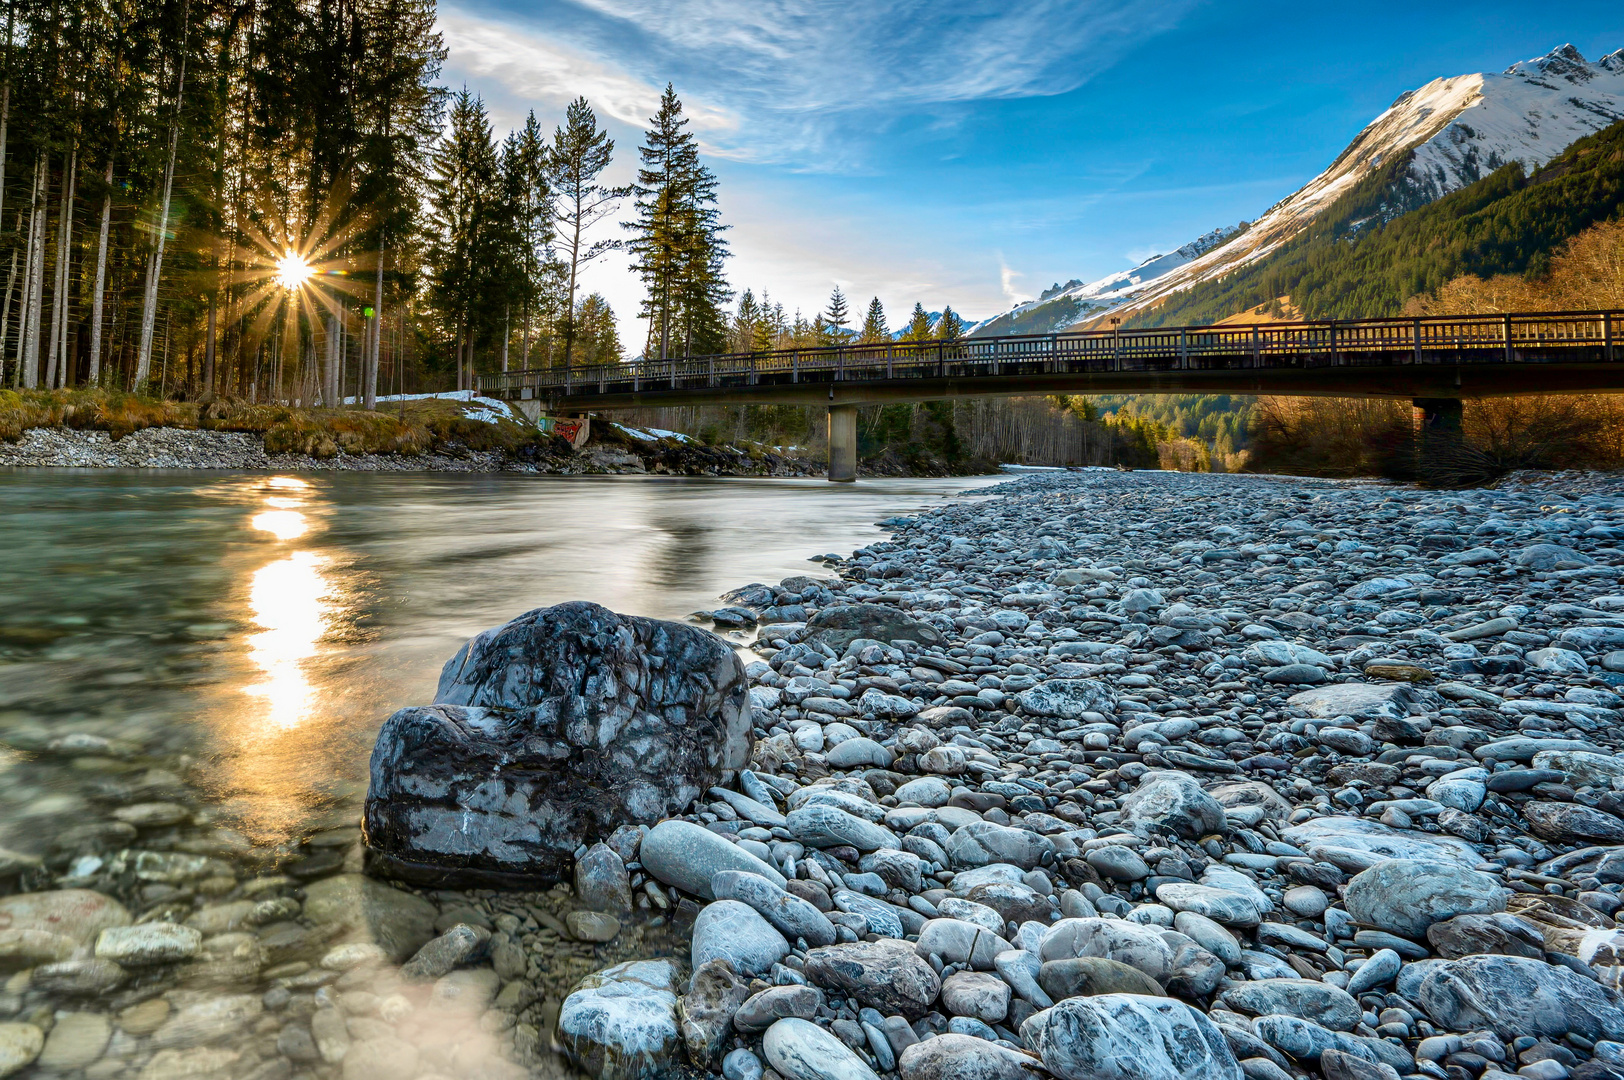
558 728
705 1012
1087 976
1500 933
1566 823
1514 995
885 975
839 625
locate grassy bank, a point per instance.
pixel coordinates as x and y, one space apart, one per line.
409 428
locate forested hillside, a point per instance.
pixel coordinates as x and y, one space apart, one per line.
1359 261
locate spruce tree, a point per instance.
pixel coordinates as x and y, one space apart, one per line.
875 330
837 317
919 328
599 339
526 187
949 327
676 239
465 254
579 154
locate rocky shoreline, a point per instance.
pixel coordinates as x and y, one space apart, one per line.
186 448
1166 776
1091 775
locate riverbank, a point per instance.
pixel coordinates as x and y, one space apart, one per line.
420 433
1329 765
180 448
1080 734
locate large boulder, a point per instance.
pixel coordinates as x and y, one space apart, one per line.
1405 897
621 1023
1173 801
1129 1037
841 624
1516 995
551 732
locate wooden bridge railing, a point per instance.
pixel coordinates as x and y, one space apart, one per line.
1498 338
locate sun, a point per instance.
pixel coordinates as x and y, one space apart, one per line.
292 271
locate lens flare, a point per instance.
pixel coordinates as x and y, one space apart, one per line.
292 271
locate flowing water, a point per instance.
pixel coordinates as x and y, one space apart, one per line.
226 645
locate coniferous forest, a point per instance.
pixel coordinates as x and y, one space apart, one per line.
169 166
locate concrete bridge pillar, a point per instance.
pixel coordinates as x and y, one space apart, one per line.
1438 416
843 444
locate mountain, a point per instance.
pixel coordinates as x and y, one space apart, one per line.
1444 136
1063 305
1348 263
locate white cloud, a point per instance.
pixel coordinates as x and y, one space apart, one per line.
799 82
544 70
1006 281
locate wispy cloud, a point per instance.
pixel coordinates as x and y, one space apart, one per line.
528 65
1006 281
802 82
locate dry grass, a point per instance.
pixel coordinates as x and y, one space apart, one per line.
1364 437
418 427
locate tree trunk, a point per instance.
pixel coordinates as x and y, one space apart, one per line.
28 346
5 116
369 363
54 376
208 347
575 261
525 348
329 374
101 279
507 332
155 267
5 319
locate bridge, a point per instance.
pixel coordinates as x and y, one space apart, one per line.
1435 361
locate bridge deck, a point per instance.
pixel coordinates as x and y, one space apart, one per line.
1439 356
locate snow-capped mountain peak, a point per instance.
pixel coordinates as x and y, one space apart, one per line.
1456 130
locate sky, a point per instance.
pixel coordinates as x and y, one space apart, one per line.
974 153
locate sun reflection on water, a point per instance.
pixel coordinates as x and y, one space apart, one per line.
282 524
292 600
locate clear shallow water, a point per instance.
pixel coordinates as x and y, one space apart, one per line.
246 634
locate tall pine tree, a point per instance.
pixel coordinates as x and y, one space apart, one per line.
578 156
676 240
874 328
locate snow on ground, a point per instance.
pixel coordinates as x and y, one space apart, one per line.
653 434
488 410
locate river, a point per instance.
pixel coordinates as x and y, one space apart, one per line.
228 644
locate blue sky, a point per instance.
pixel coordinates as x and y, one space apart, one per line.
974 153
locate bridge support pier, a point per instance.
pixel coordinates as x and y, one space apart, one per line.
1439 441
842 444
1438 416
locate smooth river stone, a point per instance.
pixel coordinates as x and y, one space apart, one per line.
790 915
821 825
731 931
688 856
621 1023
886 975
801 1050
1129 1037
1405 897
